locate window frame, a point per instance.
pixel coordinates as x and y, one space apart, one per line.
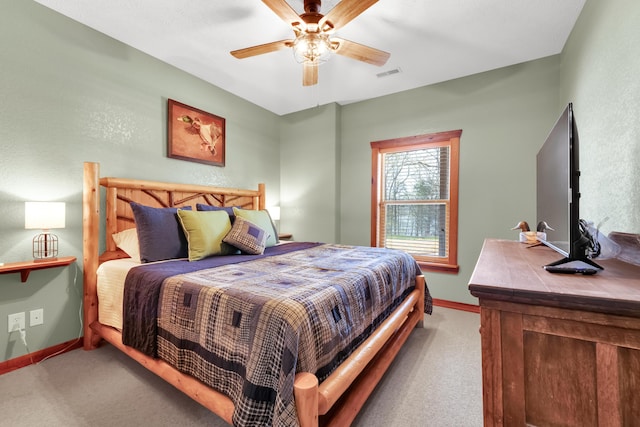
450 139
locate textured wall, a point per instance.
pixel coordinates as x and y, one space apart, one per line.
70 94
309 174
601 76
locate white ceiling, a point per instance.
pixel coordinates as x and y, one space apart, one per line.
430 41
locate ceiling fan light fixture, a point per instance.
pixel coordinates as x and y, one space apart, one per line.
312 48
312 44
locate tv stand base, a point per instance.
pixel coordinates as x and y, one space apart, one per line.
568 260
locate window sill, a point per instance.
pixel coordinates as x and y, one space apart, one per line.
438 268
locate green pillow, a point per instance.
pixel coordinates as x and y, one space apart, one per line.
205 231
262 220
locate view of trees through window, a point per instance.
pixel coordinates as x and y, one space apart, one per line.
416 187
414 197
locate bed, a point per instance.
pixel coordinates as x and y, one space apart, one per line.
317 380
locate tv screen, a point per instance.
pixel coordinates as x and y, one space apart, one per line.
555 197
558 194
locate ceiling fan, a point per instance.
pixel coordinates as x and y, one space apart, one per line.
314 43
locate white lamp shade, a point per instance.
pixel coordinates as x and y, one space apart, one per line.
44 215
274 213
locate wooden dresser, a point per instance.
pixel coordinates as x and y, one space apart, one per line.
557 349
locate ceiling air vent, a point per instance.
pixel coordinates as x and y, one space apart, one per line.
389 73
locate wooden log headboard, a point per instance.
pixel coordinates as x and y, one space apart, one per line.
121 192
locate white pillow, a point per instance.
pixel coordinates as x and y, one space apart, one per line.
127 240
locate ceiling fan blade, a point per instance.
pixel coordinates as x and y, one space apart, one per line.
261 48
344 12
361 52
309 74
284 11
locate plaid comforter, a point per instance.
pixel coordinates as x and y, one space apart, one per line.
304 309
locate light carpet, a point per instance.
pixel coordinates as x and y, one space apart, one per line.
435 381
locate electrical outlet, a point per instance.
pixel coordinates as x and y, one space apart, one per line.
36 317
15 322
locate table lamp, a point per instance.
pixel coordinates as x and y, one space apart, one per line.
44 216
274 213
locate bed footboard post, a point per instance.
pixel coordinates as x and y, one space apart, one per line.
90 242
420 286
305 390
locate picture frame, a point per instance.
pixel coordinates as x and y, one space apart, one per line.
195 135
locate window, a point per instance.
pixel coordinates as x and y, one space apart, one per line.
414 197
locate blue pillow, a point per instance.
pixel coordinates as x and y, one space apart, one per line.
160 234
227 209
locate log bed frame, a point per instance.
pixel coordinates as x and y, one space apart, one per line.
336 401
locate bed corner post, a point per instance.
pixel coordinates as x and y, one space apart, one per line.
90 242
305 390
420 286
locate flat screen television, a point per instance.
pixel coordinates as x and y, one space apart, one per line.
558 193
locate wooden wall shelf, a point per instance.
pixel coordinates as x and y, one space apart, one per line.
26 267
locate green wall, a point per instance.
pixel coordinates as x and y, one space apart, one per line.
70 94
601 75
310 174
